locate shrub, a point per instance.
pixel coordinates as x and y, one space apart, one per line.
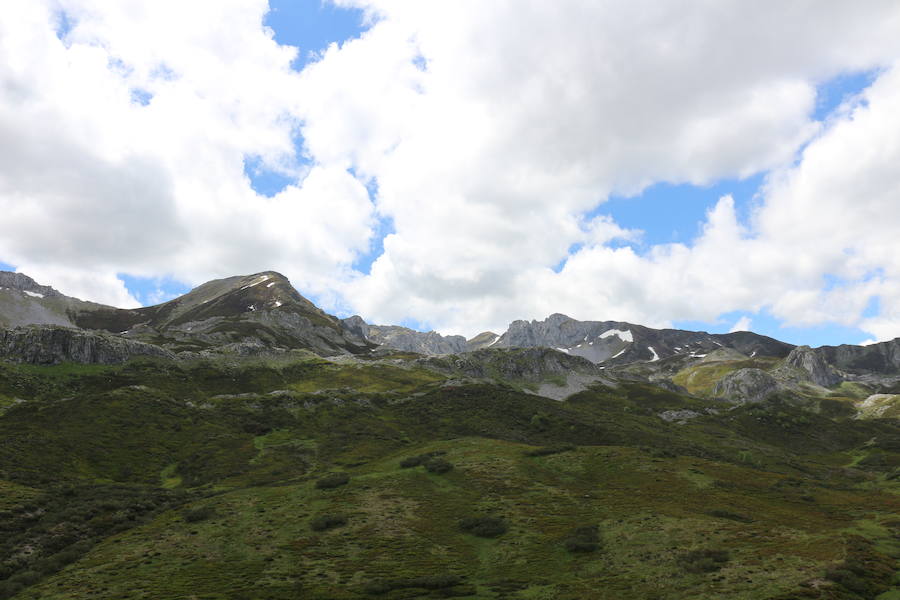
428 582
332 480
438 466
703 561
583 539
195 515
325 522
724 514
486 527
548 450
421 459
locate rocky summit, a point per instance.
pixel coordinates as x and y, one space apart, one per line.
239 442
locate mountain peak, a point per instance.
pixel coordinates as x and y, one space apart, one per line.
24 283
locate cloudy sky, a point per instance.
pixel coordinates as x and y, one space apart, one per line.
459 164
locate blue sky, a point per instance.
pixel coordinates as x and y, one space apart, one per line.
664 212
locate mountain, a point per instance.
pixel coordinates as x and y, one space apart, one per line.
25 302
608 342
238 442
239 315
409 340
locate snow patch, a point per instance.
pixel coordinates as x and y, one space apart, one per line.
620 353
566 350
277 303
655 355
33 294
250 285
496 339
271 284
625 336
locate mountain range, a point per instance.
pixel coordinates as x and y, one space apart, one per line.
262 313
237 442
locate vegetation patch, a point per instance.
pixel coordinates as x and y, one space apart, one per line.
198 513
550 450
486 527
420 459
325 522
438 466
428 582
703 561
332 480
583 539
731 516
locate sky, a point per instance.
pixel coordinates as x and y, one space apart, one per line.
456 165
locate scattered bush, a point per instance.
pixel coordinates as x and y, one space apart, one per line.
583 539
325 522
486 527
703 561
332 480
725 514
438 466
416 461
428 582
548 450
200 513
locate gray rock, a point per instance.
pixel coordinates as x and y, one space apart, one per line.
24 283
883 357
811 365
745 386
44 344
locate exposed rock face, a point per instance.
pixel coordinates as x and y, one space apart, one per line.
883 357
429 343
403 338
526 364
485 339
52 345
617 343
262 309
811 363
24 283
745 385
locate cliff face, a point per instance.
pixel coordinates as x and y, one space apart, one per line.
745 385
883 357
48 345
812 365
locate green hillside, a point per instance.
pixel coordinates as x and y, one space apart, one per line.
304 478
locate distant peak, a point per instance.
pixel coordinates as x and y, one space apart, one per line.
24 283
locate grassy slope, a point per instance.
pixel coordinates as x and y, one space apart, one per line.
787 493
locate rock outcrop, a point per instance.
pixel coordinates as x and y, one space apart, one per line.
811 365
24 283
745 386
47 345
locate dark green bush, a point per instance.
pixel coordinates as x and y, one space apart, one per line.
583 539
548 450
200 513
438 466
703 561
421 459
486 527
325 522
332 480
428 582
725 514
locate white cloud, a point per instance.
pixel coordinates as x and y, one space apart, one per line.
491 130
742 324
93 183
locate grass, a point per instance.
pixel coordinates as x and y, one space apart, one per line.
786 492
700 379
